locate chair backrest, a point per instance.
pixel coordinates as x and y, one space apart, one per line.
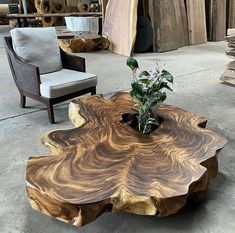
23 79
38 47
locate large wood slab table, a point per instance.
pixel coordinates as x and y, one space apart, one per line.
105 165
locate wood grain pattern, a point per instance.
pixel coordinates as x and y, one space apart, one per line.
219 20
30 6
231 14
169 23
71 5
58 6
120 25
196 21
181 23
104 5
105 165
83 43
216 19
43 6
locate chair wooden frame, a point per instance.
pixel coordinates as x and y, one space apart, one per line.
27 78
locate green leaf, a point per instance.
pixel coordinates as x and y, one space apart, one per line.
135 95
167 75
152 98
136 103
137 91
164 85
167 87
132 63
144 81
153 123
152 119
144 73
162 96
146 107
137 88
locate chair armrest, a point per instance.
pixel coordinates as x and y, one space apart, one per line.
26 76
72 62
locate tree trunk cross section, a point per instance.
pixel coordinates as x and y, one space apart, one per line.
104 165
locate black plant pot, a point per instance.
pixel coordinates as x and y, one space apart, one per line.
132 120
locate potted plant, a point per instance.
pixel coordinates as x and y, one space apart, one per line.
148 91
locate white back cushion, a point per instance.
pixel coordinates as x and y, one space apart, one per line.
37 46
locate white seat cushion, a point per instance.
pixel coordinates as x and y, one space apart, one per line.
64 82
37 46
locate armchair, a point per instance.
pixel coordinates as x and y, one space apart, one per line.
41 81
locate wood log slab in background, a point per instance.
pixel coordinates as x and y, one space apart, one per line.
216 19
30 6
181 23
43 6
83 7
84 42
48 21
196 21
120 25
104 5
71 5
58 6
169 23
231 14
105 165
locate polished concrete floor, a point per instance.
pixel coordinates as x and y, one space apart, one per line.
197 88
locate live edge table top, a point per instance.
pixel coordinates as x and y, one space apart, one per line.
104 165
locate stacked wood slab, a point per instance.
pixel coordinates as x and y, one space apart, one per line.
175 23
229 74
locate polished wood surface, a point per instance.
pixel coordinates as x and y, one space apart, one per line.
105 165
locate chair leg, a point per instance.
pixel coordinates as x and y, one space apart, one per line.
93 91
22 101
50 112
